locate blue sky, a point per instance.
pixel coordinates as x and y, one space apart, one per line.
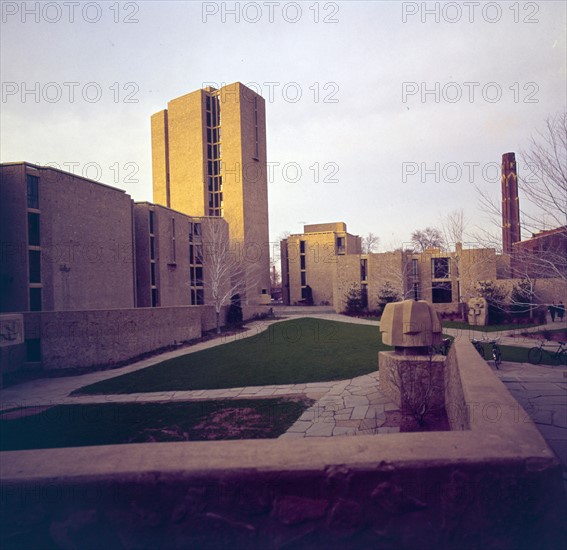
334 83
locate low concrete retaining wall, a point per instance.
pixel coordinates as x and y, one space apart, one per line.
81 339
493 485
77 339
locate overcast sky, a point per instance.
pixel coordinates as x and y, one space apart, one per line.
365 101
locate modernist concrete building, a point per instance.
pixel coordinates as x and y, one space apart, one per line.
209 159
174 264
67 242
309 260
442 278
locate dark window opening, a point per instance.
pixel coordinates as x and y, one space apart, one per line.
416 291
35 266
340 245
33 350
33 229
364 270
35 299
302 262
151 221
199 254
303 278
440 268
302 247
33 191
414 268
441 293
154 297
364 295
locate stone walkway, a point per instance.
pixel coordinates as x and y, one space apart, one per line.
542 391
350 407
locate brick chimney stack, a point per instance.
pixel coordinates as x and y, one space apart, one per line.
510 203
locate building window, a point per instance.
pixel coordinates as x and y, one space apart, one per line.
302 261
440 268
154 297
414 268
35 299
33 350
197 296
302 247
33 191
364 295
304 293
197 229
34 266
198 254
416 291
173 250
152 248
340 245
151 221
33 229
364 269
303 278
256 153
441 293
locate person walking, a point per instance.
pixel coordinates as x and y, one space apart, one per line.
560 310
552 311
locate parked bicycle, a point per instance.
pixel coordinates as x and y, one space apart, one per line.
557 357
496 353
443 347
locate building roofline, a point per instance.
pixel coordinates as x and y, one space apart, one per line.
40 167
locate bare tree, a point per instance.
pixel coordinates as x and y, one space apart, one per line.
453 227
545 187
430 237
225 272
370 243
542 182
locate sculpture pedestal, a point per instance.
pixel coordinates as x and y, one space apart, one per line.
415 383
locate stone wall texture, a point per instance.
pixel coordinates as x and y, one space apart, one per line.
79 339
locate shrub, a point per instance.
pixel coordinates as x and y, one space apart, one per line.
354 303
234 313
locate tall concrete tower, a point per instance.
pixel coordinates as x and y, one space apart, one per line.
209 159
510 203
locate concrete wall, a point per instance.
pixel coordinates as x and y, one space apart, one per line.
492 483
82 339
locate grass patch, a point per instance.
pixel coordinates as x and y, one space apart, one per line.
118 423
488 328
291 352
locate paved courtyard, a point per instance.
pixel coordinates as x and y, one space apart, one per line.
341 408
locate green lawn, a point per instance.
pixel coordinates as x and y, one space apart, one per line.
116 423
289 352
516 354
489 328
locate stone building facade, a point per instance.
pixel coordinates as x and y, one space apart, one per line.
309 259
173 256
67 242
209 159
